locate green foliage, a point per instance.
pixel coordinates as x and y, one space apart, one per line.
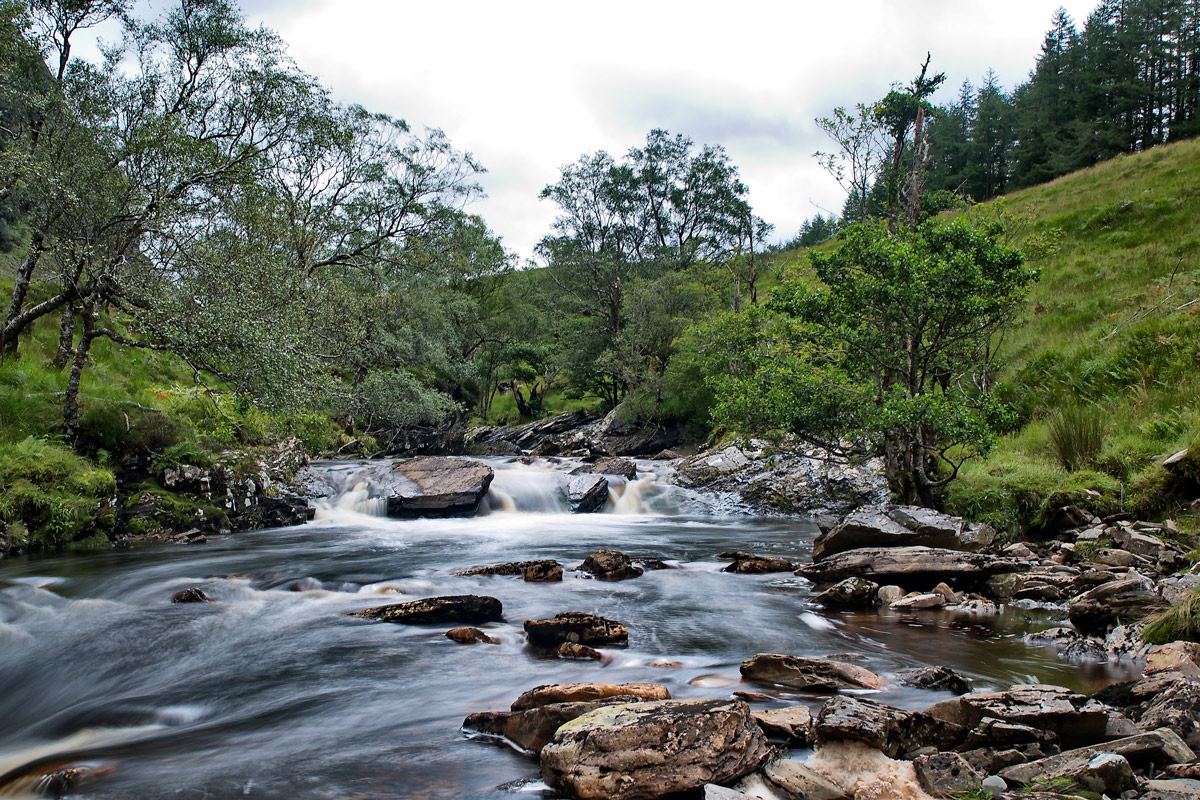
1179 622
1077 436
51 496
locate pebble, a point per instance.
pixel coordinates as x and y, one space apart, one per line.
994 784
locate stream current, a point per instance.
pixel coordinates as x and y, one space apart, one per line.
273 691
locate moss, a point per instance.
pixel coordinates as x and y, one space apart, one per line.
52 496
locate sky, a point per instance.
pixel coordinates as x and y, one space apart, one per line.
528 86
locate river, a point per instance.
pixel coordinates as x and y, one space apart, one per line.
273 691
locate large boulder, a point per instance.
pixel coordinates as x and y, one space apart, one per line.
808 674
890 730
910 566
469 608
583 692
646 750
586 493
575 626
902 526
1126 600
437 487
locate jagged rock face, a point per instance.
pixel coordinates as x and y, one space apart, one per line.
468 608
944 774
890 730
582 692
575 626
586 493
437 487
644 750
811 674
1177 708
1160 747
902 526
610 565
1071 716
907 565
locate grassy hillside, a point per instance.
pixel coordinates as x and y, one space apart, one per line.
1109 338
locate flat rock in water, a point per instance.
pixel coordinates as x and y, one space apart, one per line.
582 692
470 636
792 724
609 466
533 728
468 608
750 564
575 626
890 730
1160 747
578 651
915 602
906 565
646 750
438 487
901 526
811 674
851 593
610 565
586 493
541 566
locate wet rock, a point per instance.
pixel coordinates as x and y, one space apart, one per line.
468 608
532 729
750 564
1159 747
852 593
890 730
799 781
997 733
540 570
653 749
1126 600
652 564
901 526
792 724
914 602
470 636
1070 643
888 594
586 493
575 626
578 651
584 692
437 487
192 595
609 466
914 565
610 565
661 664
809 674
944 774
942 679
1049 708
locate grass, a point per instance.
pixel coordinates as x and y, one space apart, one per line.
1113 326
1179 622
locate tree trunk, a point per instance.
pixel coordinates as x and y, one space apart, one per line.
66 336
78 362
20 292
522 406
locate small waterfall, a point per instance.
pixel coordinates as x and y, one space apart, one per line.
630 498
527 489
359 499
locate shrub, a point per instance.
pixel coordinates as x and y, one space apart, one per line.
51 496
1077 436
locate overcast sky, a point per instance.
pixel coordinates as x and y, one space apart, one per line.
530 86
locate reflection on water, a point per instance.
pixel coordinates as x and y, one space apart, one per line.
274 692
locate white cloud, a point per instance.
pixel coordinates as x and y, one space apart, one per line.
530 86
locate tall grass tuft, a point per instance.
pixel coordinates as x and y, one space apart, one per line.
1179 622
1077 436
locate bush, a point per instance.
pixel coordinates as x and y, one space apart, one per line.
51 496
1179 622
1077 436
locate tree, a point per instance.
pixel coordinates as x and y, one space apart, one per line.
900 341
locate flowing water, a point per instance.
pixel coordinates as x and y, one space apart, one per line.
273 691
